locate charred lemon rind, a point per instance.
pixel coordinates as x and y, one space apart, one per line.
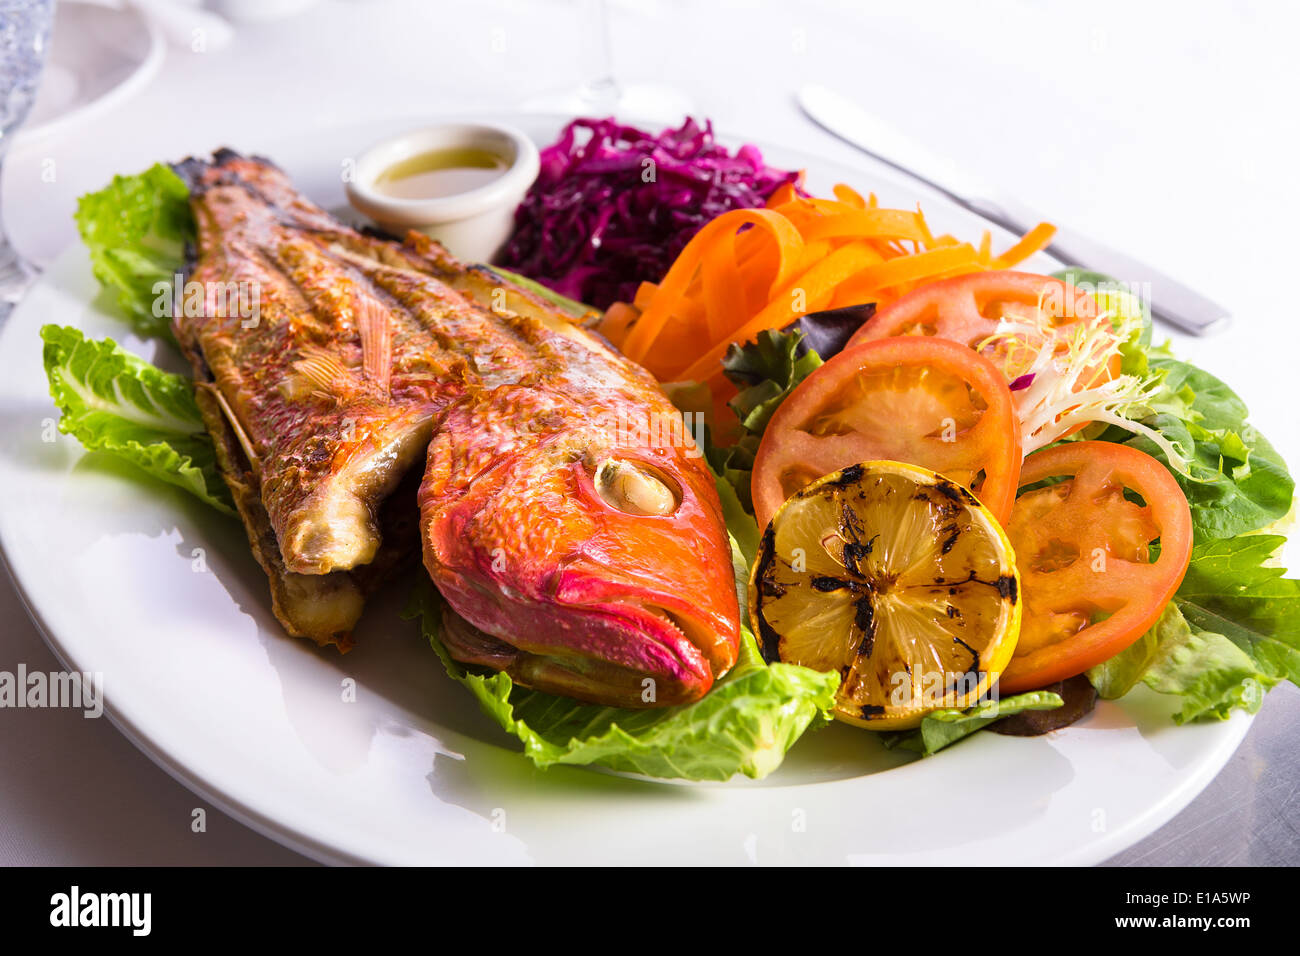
896 578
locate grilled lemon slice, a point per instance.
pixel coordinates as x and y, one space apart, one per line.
896 578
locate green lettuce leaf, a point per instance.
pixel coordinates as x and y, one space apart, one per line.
1233 588
744 724
1238 483
1231 633
741 526
1211 674
941 728
766 370
114 402
136 229
1234 480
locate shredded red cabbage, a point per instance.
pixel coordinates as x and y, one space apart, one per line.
600 219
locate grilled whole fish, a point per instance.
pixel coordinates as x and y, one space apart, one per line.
566 518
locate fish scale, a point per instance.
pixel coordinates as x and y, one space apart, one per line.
370 356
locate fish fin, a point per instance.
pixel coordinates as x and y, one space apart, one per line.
323 372
376 342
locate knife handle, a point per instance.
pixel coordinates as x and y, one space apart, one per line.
1171 301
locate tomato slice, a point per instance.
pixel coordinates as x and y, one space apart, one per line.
1083 547
921 401
969 308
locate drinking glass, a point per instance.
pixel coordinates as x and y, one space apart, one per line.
24 39
602 94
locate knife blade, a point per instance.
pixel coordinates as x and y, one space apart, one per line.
1171 301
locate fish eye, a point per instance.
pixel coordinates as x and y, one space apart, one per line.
636 489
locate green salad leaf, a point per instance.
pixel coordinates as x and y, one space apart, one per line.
941 728
1233 588
744 724
1231 633
114 402
766 370
1236 481
1210 673
136 229
743 529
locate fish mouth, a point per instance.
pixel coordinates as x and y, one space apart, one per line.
695 631
642 655
630 654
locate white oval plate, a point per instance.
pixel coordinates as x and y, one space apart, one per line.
136 580
100 56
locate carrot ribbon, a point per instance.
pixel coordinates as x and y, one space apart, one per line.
754 269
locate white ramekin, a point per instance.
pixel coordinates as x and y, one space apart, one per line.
473 224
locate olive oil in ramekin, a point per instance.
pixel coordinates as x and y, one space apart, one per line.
441 172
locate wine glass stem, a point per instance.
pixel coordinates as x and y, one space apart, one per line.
601 92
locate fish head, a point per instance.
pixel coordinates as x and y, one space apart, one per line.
605 567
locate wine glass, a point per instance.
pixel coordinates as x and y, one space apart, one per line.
601 94
24 39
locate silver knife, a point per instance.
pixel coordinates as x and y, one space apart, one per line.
1170 300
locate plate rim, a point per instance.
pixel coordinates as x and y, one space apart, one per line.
260 823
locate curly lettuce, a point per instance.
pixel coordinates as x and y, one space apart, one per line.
766 371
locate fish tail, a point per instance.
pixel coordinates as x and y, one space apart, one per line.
226 167
268 188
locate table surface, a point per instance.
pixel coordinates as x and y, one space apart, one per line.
1162 136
